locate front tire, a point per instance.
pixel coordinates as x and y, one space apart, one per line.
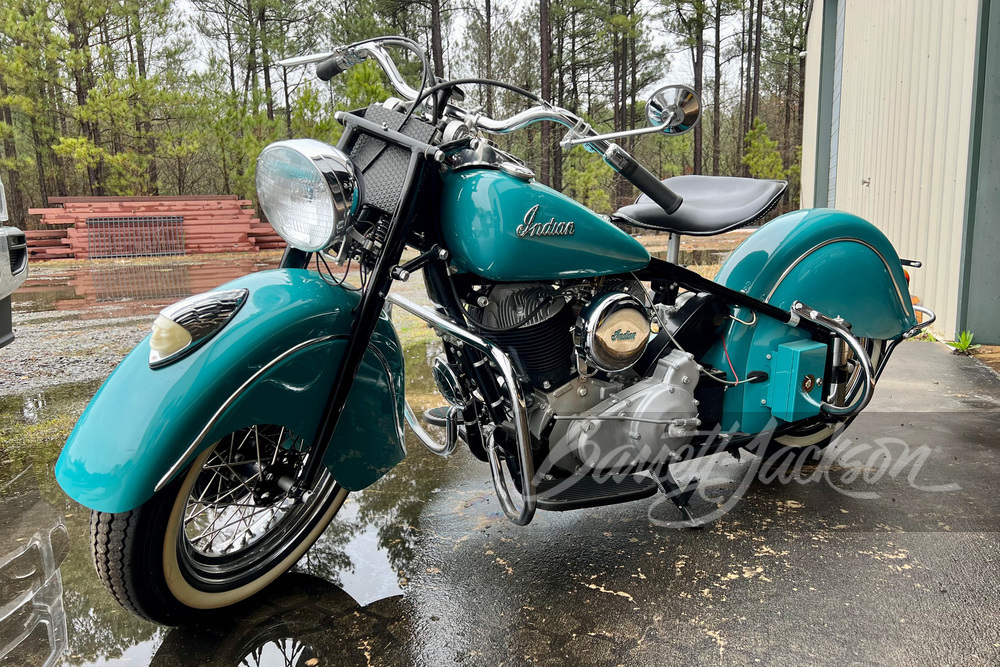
219 533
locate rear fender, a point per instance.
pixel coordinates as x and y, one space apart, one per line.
835 262
273 363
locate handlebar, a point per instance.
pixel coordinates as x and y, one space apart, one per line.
341 59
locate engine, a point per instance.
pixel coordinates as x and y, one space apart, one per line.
531 322
577 349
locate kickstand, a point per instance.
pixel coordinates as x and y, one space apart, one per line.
680 497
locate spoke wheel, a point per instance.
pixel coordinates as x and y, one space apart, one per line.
222 531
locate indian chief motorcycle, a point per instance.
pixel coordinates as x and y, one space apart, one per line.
575 366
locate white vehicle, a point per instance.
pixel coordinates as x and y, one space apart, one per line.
13 268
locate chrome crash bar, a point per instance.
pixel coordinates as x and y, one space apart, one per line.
929 318
512 386
840 329
428 440
869 374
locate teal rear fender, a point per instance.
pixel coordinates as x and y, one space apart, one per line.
141 421
835 262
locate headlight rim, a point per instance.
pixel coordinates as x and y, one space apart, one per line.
342 178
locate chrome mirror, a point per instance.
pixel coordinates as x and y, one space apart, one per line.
673 109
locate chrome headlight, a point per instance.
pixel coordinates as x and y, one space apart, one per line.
309 191
181 328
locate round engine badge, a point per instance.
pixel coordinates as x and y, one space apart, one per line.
613 331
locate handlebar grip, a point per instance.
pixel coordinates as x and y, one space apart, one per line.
651 186
329 68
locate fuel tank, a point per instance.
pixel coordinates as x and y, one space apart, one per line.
504 228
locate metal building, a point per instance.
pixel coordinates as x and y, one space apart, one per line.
902 127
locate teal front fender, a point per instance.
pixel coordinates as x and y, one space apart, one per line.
141 421
835 262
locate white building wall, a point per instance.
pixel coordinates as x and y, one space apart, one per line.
810 112
903 140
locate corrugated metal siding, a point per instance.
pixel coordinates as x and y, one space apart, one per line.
838 73
904 124
809 113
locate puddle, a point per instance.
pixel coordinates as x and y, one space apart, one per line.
135 287
364 554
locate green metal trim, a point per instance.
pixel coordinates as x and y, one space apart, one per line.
972 173
824 103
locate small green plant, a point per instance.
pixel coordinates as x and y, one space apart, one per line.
963 343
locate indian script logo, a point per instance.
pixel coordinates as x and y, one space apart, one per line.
551 228
623 335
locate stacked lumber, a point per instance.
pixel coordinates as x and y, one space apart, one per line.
210 224
263 236
48 243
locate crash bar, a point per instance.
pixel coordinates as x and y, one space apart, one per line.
499 360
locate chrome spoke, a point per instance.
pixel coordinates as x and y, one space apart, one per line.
236 501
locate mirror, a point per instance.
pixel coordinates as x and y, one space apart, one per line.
675 107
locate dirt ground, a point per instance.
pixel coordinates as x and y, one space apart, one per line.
989 355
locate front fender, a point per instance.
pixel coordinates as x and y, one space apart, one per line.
141 421
833 261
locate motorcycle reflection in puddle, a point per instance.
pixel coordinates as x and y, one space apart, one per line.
292 624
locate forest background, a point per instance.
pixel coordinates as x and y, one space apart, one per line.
177 97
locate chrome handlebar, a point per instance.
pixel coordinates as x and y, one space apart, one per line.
347 57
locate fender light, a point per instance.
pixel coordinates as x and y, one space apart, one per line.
183 327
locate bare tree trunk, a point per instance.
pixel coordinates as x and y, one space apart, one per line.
288 103
624 189
231 57
699 69
755 98
490 91
437 47
82 76
717 92
147 126
43 190
15 199
265 57
545 45
250 81
557 155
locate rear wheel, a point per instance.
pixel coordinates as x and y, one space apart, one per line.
219 533
819 436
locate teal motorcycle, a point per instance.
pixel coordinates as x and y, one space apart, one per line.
575 366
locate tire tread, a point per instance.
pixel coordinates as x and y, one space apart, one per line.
110 539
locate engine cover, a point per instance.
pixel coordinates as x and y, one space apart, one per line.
638 426
612 331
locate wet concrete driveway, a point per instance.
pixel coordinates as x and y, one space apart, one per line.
886 552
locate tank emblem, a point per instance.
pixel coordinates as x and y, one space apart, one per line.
550 228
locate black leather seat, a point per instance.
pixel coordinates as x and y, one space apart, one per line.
712 205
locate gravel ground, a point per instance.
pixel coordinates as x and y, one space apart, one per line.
57 350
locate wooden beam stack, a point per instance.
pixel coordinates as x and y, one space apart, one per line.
211 224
